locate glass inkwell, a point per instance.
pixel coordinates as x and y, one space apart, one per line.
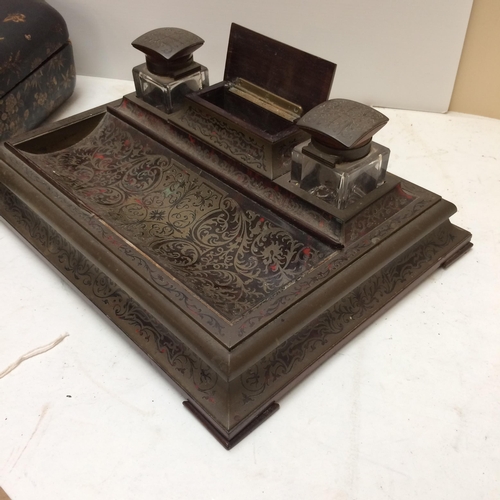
340 164
169 72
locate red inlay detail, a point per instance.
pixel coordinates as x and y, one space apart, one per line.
402 193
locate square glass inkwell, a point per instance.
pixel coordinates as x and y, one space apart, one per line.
169 72
340 164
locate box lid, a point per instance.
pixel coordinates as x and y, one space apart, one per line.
292 74
30 32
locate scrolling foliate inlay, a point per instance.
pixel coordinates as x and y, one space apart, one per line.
196 377
226 249
334 324
231 141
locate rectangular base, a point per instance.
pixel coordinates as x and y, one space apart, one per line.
233 359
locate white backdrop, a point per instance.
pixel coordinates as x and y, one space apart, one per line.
392 53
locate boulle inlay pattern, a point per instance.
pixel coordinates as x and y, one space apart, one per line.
230 252
171 354
383 209
222 277
401 204
233 142
338 321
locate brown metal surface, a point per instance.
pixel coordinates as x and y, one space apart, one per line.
103 215
187 232
231 404
335 226
230 253
229 443
235 286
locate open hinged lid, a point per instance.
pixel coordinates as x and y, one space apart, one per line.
30 32
275 75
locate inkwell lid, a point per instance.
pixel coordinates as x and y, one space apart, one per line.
342 128
169 51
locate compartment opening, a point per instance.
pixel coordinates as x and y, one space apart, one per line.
245 110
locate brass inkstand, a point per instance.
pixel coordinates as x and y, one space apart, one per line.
238 233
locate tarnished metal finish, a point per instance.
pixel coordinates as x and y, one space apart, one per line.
232 254
236 285
265 99
179 362
262 149
230 406
332 328
216 132
270 194
282 196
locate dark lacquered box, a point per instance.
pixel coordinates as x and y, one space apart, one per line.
37 72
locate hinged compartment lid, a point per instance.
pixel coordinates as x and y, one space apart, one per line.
293 75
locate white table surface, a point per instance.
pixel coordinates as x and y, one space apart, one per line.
410 409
